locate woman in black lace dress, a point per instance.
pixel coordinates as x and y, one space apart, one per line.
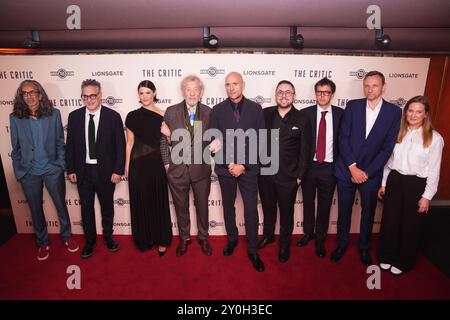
149 203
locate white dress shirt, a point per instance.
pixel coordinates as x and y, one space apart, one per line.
329 132
411 158
371 116
86 131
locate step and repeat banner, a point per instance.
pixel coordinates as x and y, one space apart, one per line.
119 74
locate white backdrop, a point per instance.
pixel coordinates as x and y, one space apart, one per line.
119 74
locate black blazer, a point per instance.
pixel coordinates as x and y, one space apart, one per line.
222 118
109 146
311 114
294 143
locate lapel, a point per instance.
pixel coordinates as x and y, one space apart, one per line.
335 126
361 114
289 121
82 123
313 117
378 125
101 125
180 120
201 118
25 123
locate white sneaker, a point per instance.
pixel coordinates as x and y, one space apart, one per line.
71 245
395 271
43 253
385 266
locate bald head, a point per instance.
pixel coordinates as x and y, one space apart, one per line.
234 85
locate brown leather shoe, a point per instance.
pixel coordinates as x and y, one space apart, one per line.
182 246
206 248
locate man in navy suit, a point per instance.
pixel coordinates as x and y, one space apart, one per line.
95 155
367 137
325 121
239 165
37 139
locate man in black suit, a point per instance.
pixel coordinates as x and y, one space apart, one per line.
95 155
294 146
238 119
325 121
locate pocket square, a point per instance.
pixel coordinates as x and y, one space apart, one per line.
294 128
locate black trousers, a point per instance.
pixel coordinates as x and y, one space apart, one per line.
87 188
321 180
284 193
401 224
248 185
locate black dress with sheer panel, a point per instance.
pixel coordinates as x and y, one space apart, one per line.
147 182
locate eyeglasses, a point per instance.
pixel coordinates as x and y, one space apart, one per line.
30 93
89 97
284 93
323 93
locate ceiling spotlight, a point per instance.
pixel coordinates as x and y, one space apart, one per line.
296 40
382 41
209 40
34 41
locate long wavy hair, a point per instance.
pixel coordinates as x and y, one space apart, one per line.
21 109
427 126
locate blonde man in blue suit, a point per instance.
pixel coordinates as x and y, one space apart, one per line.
367 137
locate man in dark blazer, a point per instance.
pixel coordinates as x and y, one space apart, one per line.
190 118
367 137
238 121
294 140
325 121
37 139
95 154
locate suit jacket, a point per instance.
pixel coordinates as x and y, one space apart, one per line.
371 154
109 145
311 114
22 142
175 118
251 117
294 143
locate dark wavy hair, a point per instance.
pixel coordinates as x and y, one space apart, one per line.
326 82
21 109
150 85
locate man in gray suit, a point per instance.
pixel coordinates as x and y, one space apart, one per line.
37 139
188 120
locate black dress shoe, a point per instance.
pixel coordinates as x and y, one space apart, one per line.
112 245
337 254
305 239
364 255
182 246
229 248
205 246
256 261
88 250
320 249
265 241
284 254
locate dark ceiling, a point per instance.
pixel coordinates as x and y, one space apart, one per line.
413 26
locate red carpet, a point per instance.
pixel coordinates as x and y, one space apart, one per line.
130 274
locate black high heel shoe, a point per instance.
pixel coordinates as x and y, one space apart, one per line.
162 253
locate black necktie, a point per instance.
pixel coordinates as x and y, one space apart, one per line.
91 136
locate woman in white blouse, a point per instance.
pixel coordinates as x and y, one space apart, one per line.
410 181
